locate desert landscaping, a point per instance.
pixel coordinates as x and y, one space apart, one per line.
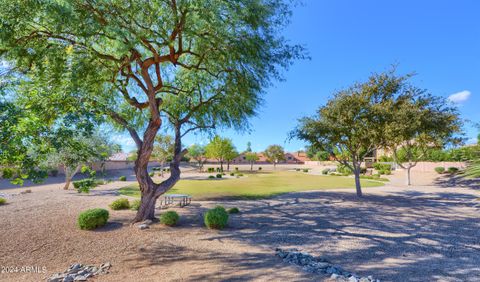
427 232
239 140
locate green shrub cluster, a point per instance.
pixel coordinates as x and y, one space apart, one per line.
135 205
216 218
120 204
211 169
93 218
452 170
84 185
440 169
170 218
122 178
233 210
219 175
232 174
211 176
343 169
305 170
3 201
157 168
381 166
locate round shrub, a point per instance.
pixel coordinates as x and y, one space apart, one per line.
219 175
170 218
233 210
151 174
91 219
210 169
135 205
236 168
387 172
122 178
3 201
216 218
120 204
260 168
440 169
232 174
452 170
211 177
305 170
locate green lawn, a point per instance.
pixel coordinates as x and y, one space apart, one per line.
257 185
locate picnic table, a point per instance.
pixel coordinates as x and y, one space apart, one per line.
181 199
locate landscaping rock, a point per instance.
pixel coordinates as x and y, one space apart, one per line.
143 226
79 272
320 265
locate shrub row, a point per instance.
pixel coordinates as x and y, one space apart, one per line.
441 169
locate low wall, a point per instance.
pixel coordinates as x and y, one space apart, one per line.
420 167
430 166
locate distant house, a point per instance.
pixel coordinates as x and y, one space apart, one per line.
290 158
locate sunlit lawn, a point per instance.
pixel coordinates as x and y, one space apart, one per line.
257 185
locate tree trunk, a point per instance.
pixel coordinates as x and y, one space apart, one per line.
69 176
408 175
151 191
228 165
358 186
274 164
161 168
251 166
221 166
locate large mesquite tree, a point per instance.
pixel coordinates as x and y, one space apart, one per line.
133 60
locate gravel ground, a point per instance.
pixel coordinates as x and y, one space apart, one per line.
422 233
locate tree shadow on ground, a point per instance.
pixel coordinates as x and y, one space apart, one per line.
458 181
398 237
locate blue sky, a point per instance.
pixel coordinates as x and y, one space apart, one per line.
347 40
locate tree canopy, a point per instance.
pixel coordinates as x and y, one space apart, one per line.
203 64
274 154
352 123
221 149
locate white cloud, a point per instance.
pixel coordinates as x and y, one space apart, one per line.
460 97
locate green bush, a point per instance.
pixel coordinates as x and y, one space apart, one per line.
325 171
157 168
216 218
210 169
219 175
135 205
236 168
233 210
297 169
305 170
151 174
3 201
380 166
343 169
7 173
91 219
440 169
120 204
387 172
452 170
122 178
84 185
239 174
259 168
170 218
232 174
211 176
